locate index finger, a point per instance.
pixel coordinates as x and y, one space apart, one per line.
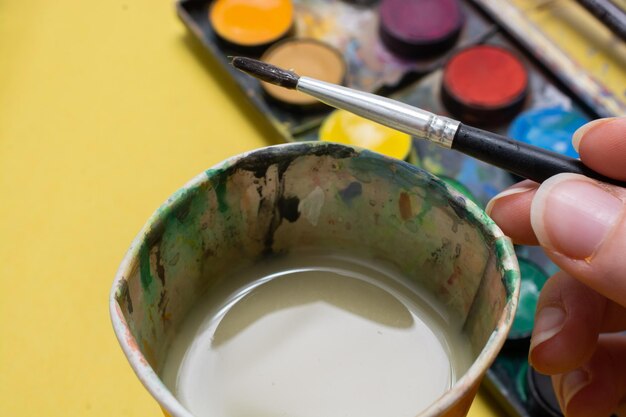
602 146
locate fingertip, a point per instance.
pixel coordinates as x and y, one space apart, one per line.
510 210
584 129
547 356
573 215
518 188
593 389
538 207
602 146
567 323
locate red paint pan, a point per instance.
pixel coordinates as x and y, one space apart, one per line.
484 84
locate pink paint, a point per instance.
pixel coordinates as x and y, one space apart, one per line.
420 23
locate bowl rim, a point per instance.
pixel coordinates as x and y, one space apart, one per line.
503 246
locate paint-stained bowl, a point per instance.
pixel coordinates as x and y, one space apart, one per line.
250 206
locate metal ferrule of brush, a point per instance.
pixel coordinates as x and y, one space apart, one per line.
396 115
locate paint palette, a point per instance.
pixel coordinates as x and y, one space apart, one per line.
523 95
349 27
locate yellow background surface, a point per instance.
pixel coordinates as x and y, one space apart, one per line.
106 108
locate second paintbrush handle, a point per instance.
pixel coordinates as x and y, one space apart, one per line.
609 14
519 158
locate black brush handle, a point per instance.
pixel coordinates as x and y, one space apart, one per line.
609 14
519 158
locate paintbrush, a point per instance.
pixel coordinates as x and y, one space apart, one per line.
519 158
609 14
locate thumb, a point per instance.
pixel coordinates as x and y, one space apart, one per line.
581 224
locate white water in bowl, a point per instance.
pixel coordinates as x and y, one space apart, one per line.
316 336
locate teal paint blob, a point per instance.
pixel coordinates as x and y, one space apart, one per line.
550 128
533 279
520 381
144 267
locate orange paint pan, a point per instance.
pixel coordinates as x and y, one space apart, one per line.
251 23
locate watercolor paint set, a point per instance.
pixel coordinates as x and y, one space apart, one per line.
532 70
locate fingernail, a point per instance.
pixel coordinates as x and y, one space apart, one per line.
548 323
573 215
572 383
516 189
581 131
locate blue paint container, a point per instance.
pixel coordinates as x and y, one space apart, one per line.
548 128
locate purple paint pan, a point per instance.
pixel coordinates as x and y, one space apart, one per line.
417 28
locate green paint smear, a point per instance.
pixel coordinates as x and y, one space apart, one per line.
426 207
144 267
173 210
182 236
503 251
533 279
520 381
218 180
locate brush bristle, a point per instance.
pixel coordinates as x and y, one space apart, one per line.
266 72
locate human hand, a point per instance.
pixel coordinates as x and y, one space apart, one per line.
581 225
